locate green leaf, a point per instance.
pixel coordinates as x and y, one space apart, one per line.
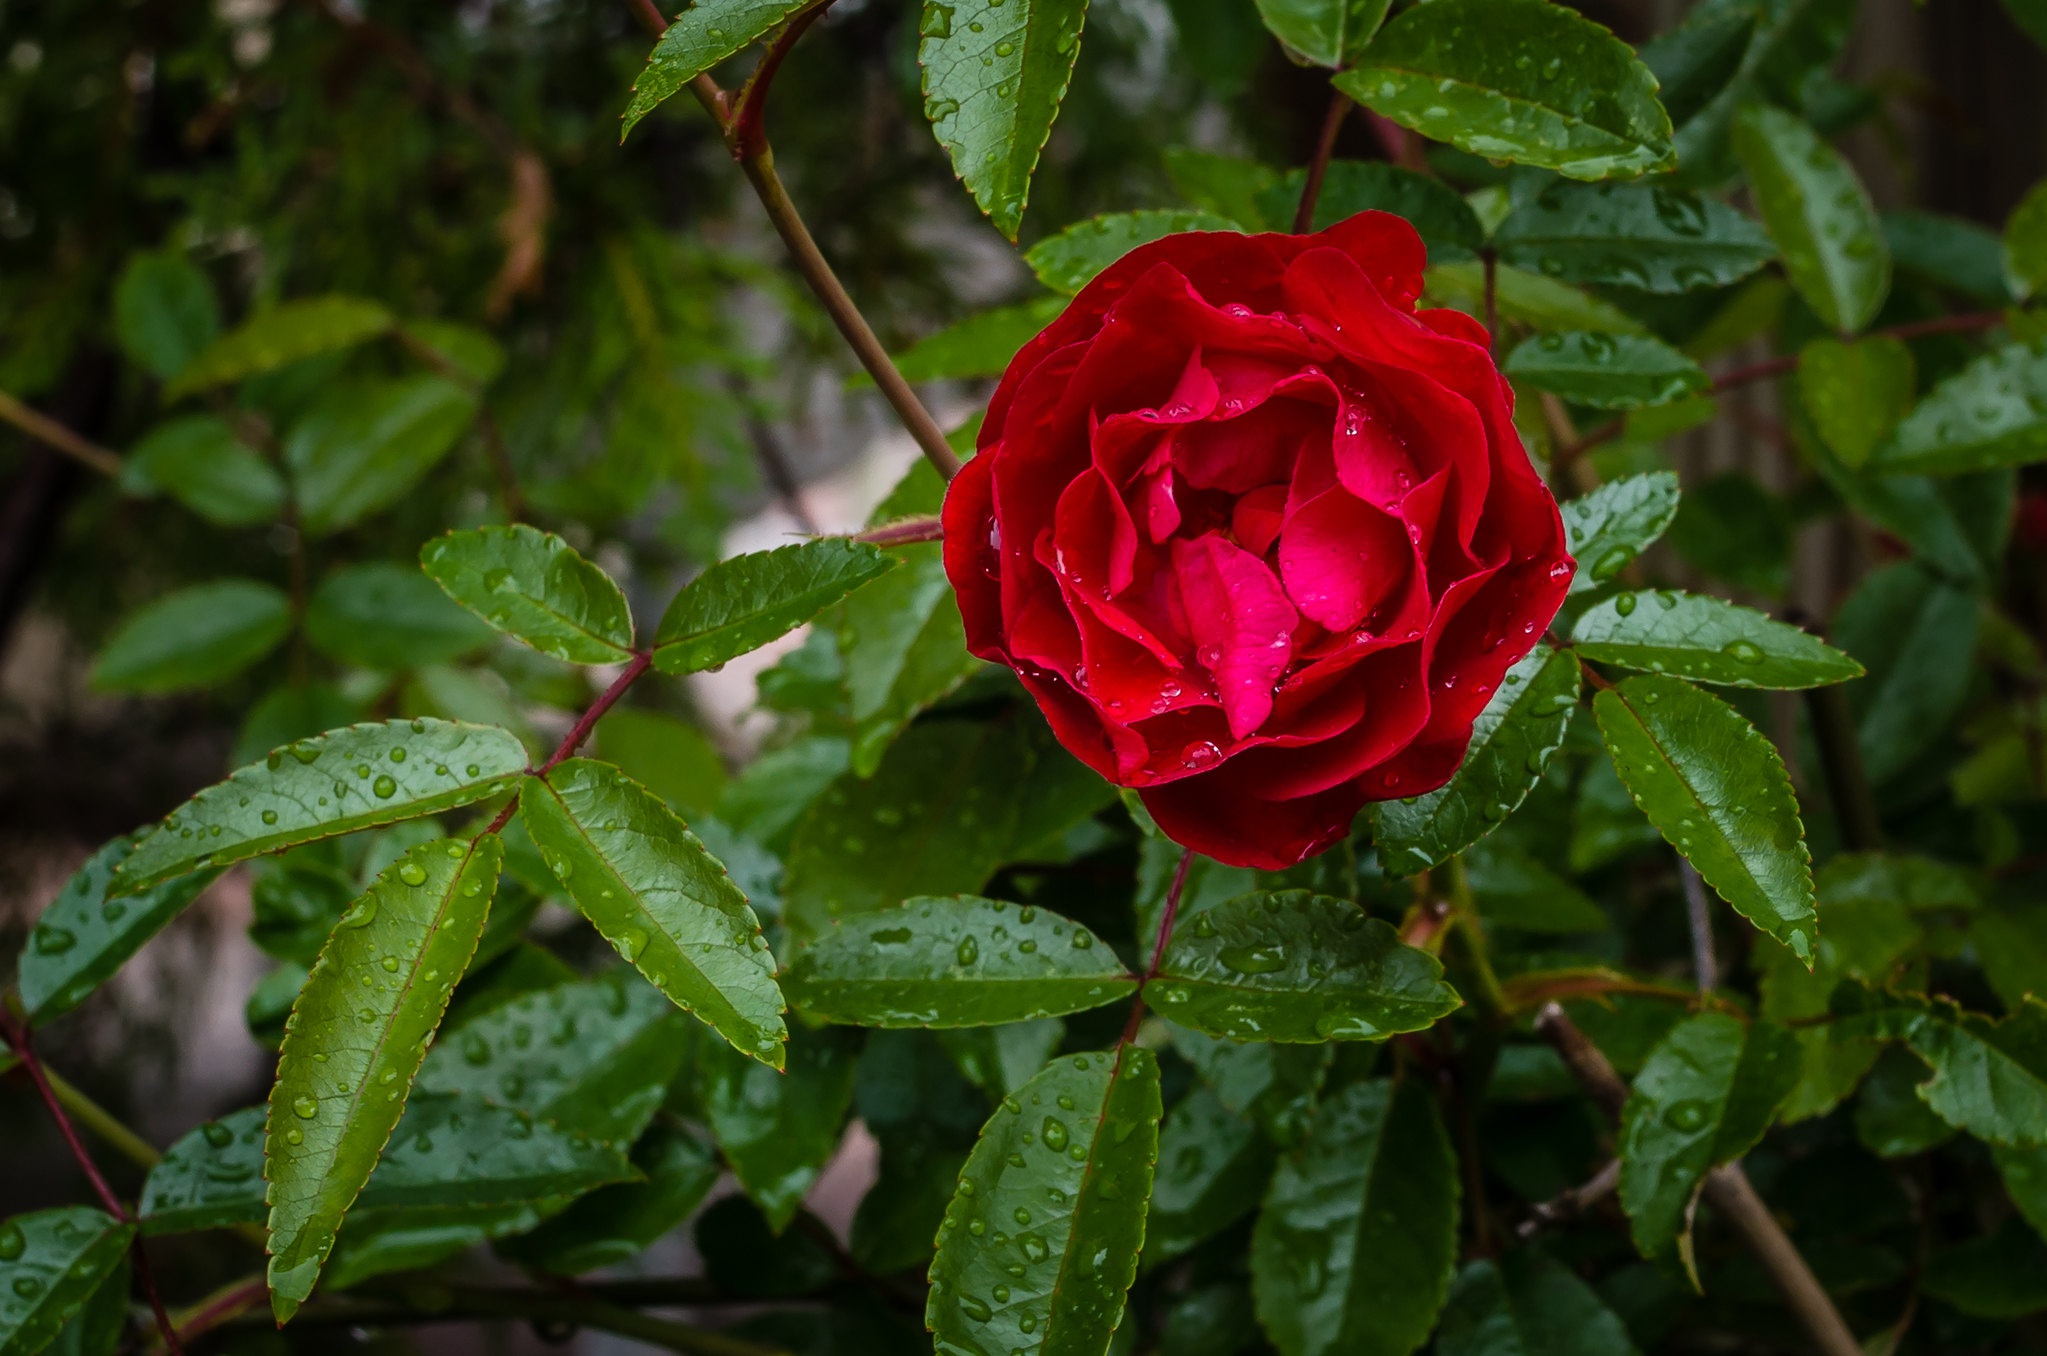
1040 1243
448 1151
1326 32
534 587
1704 1097
1615 523
1820 214
196 637
741 604
1991 413
1515 890
1855 392
594 1055
1523 723
993 80
1232 188
1525 298
1717 790
165 314
1353 1251
1708 640
347 779
1916 635
776 1128
1890 1119
979 346
954 962
51 1262
2025 1181
1295 966
667 906
2025 243
471 353
2001 1276
356 1037
364 444
1445 221
1002 1059
1525 1304
1653 237
1456 71
1989 1077
701 36
385 616
1066 262
617 1223
279 337
1606 371
198 461
1952 254
670 757
83 936
1276 1085
404 1238
1213 1163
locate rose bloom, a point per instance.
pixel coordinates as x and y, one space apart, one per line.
1258 535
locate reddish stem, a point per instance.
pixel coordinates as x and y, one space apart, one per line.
1492 300
650 17
1318 168
573 740
1158 946
746 133
906 532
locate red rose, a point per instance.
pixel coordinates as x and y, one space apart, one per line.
1259 537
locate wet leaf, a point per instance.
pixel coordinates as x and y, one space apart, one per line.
384 616
196 637
1066 262
1855 392
1040 1243
777 1129
1992 413
1917 636
283 335
1606 371
353 778
1717 790
617 1223
955 962
1326 32
1526 298
355 1040
1820 215
1525 1304
2025 243
1613 524
1275 1085
534 587
1649 236
197 460
1708 640
1213 1164
700 37
664 903
51 1262
1989 1077
741 604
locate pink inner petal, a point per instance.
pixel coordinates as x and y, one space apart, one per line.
1341 558
1242 622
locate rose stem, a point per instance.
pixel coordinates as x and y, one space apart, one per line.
1158 946
1325 146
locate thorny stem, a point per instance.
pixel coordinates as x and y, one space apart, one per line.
1167 914
1318 168
16 1034
50 433
744 132
905 532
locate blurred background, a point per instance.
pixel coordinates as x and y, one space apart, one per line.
670 393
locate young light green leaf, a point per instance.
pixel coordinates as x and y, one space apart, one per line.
363 445
1525 1304
1613 524
1653 237
1445 221
1819 213
356 1037
979 346
165 313
1456 71
1353 1251
385 616
1708 640
777 1129
1855 392
954 962
617 1223
1717 790
83 937
1326 32
2025 243
196 637
1606 371
1991 413
1704 1097
701 36
353 778
1522 724
1294 966
994 76
1066 262
1213 1163
537 589
611 1046
1041 1240
197 460
741 604
276 338
1917 636
51 1262
449 1151
668 907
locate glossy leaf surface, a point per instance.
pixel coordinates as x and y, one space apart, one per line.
1820 214
699 38
276 338
1327 32
355 1040
664 903
1991 413
616 1223
743 603
1040 1242
1989 1077
195 637
537 589
1605 371
1067 261
777 1127
1706 639
1649 236
1855 392
51 1262
1213 1162
353 778
963 961
1717 790
1609 527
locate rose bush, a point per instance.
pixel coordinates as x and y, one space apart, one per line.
1258 535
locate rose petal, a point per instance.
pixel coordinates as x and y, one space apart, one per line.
1256 520
1340 558
1242 622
